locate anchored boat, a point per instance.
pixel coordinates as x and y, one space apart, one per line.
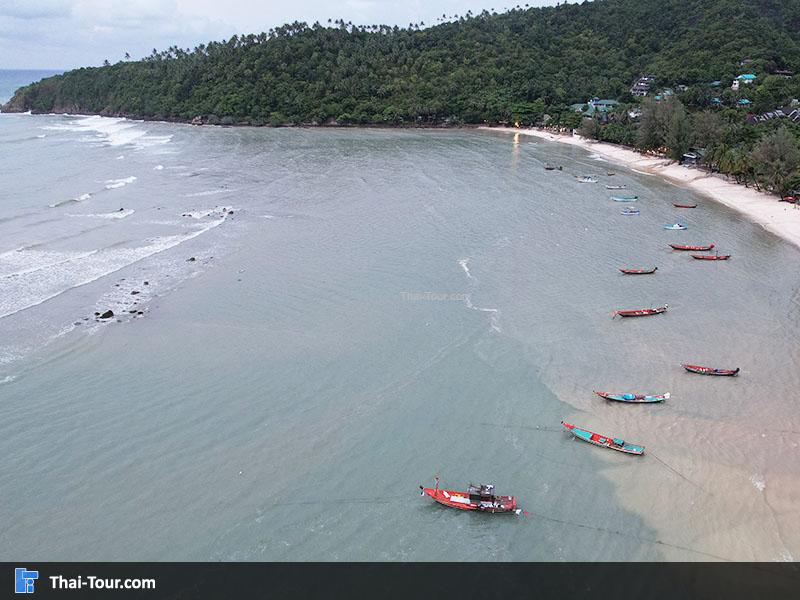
639 271
618 198
634 398
684 205
711 256
629 211
615 187
709 371
602 440
479 498
675 226
586 179
641 312
694 248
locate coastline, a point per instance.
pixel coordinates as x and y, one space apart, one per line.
779 218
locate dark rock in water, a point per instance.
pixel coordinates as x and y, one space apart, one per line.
140 313
116 285
121 210
133 312
96 314
191 259
146 283
134 292
230 212
78 323
106 315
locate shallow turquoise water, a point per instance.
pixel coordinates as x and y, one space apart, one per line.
381 307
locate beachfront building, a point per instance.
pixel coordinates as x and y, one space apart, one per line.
595 106
743 79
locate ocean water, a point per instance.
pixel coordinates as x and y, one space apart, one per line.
366 310
13 79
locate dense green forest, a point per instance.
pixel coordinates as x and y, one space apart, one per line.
527 65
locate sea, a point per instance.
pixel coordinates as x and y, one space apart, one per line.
309 324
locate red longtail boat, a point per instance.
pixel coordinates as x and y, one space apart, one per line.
694 248
639 271
711 256
709 371
480 498
603 440
641 312
684 205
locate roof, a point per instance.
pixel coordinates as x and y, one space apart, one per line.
746 77
715 83
744 102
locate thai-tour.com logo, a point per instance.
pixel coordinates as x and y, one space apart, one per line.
24 580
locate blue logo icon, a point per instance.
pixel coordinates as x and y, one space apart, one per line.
24 580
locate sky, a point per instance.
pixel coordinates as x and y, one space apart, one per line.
64 34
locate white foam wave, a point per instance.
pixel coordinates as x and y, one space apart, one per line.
7 379
758 482
208 193
464 263
112 131
25 290
120 157
41 135
117 214
158 167
80 198
113 184
494 319
22 261
201 214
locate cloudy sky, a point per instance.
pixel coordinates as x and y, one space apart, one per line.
62 34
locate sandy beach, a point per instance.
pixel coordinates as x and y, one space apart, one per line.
780 218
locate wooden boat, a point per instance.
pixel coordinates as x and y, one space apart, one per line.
634 398
639 271
586 179
789 199
552 168
610 173
641 312
709 371
602 440
684 205
675 226
711 256
624 198
615 187
629 211
693 248
479 498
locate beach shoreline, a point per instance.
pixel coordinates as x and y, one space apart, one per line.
779 218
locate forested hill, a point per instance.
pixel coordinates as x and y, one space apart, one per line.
479 67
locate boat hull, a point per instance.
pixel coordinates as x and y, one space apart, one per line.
461 501
685 205
642 312
711 256
692 248
604 441
711 371
639 271
634 398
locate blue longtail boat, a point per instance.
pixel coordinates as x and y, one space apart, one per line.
633 398
620 198
602 440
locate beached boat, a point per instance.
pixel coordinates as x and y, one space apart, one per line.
639 271
634 398
675 226
552 168
479 498
620 198
610 173
709 371
602 440
586 179
684 205
615 187
641 312
693 248
629 211
711 256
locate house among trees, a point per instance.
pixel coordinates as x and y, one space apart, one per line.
787 73
744 79
595 106
641 87
786 112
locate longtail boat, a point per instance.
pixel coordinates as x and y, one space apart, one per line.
634 398
675 226
629 211
586 179
639 271
624 198
709 371
711 256
552 168
479 498
602 440
641 312
693 248
684 205
615 187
